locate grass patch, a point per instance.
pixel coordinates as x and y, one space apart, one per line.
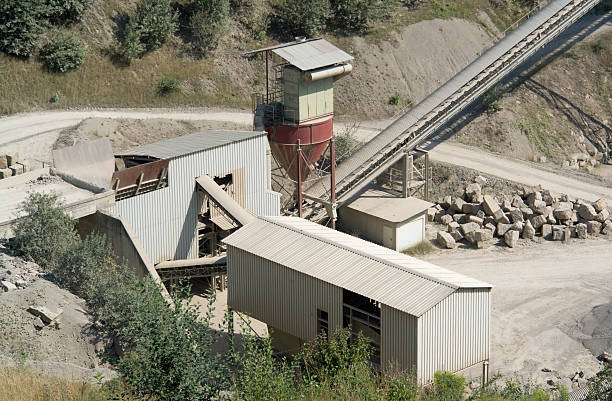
536 125
422 248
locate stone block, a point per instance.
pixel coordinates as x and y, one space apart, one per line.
581 230
446 240
511 238
476 220
547 231
489 220
491 227
446 202
539 206
567 234
438 216
532 197
46 314
603 216
518 202
558 233
587 212
550 197
457 235
491 207
482 244
503 219
607 228
502 229
12 158
457 205
537 221
480 180
600 204
3 162
563 213
506 205
458 217
431 214
16 169
518 226
446 219
472 191
528 230
527 212
483 235
478 199
481 214
516 216
452 226
6 173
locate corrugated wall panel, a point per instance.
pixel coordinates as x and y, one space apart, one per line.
398 338
455 333
283 298
165 220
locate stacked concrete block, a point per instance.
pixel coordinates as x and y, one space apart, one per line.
10 165
533 213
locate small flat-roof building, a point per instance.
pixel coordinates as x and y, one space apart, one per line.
302 278
157 191
386 219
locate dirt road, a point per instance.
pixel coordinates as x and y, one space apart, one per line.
541 294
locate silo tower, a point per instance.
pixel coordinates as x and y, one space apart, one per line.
297 107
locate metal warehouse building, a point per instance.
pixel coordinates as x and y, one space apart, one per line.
302 278
156 191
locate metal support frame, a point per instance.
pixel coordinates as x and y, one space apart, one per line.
333 216
300 191
408 163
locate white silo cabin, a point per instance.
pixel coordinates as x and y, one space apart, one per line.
301 278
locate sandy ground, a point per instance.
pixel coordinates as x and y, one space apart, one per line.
541 297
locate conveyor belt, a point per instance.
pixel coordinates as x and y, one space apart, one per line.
418 124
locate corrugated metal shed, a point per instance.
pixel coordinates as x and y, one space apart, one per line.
188 144
397 280
313 54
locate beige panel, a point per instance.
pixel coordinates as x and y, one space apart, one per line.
283 298
455 333
398 340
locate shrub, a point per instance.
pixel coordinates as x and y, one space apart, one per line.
345 144
46 233
305 17
448 386
168 85
65 52
422 248
149 28
21 24
207 21
66 11
491 100
354 15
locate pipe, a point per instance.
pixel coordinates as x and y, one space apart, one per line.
335 72
210 261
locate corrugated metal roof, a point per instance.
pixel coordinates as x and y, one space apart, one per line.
389 207
379 273
313 54
192 143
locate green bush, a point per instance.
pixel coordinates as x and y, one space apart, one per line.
305 17
149 28
46 233
65 52
491 100
207 21
355 15
168 85
448 387
21 24
66 11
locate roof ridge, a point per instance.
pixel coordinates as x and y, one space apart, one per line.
358 252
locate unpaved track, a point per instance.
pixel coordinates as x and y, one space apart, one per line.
541 292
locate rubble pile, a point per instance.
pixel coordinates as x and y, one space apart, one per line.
476 218
11 165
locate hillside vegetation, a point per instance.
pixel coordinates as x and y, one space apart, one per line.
106 54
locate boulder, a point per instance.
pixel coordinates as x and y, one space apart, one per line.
44 313
527 212
446 219
457 235
3 162
528 230
481 214
489 220
473 191
607 228
502 229
518 202
38 324
587 212
506 205
599 205
602 216
516 216
457 205
475 219
567 234
491 207
581 230
503 219
431 214
446 202
537 221
446 240
563 213
558 233
452 226
511 238
532 197
12 158
469 227
594 227
491 227
5 173
480 180
549 197
547 231
438 216
518 226
7 286
539 206
16 168
460 217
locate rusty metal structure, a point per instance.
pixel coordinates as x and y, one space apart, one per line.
297 107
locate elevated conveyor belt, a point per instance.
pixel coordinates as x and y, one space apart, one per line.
422 121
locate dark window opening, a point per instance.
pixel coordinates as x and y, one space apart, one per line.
362 315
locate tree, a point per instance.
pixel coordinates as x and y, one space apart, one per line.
149 28
65 52
46 233
207 22
354 15
305 17
21 24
